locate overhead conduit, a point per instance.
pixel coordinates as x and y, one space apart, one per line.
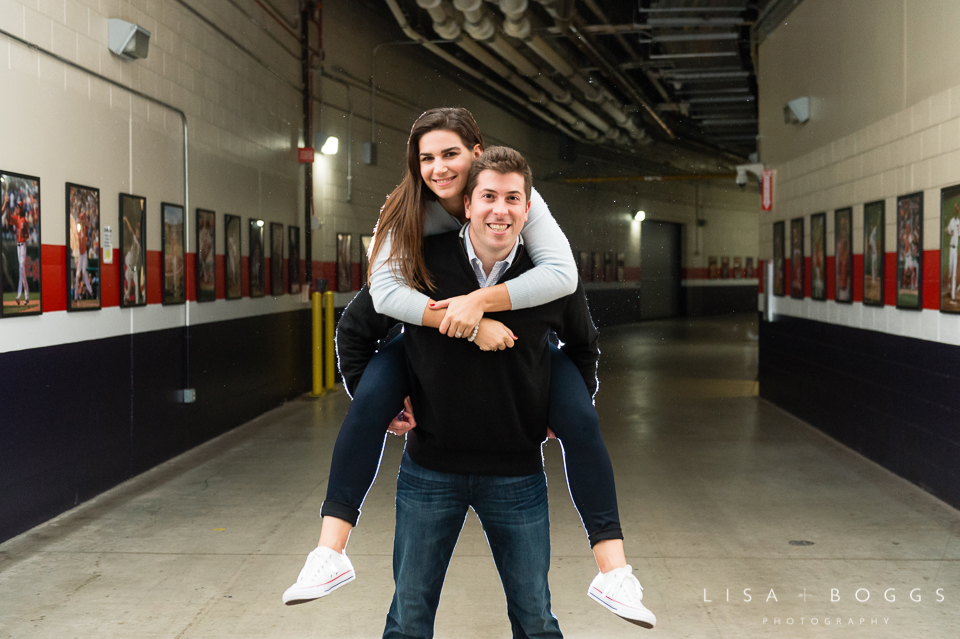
517 25
429 46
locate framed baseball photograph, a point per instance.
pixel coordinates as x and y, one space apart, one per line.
737 268
344 262
276 259
293 252
596 269
174 264
724 267
818 256
779 272
748 270
910 251
713 271
206 256
20 245
133 249
232 249
843 255
83 248
584 266
796 258
873 253
949 236
621 266
257 283
366 241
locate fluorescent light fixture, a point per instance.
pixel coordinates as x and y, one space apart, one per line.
331 146
640 216
259 222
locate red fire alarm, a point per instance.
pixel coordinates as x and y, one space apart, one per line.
306 155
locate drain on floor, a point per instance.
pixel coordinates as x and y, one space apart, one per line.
800 542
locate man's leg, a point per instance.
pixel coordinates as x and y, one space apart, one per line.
431 509
516 519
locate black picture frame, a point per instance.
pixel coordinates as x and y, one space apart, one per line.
585 266
843 255
779 270
818 257
257 284
276 259
874 253
133 251
797 264
909 282
21 215
949 240
82 217
232 254
293 252
173 253
206 263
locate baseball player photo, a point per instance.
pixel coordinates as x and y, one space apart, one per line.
206 256
949 238
83 256
909 250
20 244
174 266
133 243
873 253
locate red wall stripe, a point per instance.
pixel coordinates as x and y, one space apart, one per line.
154 277
931 280
53 277
110 281
221 283
889 279
831 277
857 277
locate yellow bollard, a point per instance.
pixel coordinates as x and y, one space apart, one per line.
317 390
329 355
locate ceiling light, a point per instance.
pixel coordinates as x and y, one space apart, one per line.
640 216
331 146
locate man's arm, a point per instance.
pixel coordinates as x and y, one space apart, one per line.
580 337
358 335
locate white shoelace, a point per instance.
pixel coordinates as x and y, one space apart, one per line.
619 590
316 563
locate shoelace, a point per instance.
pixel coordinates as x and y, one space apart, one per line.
617 584
313 566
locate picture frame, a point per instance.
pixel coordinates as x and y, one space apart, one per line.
621 266
83 248
596 273
796 258
344 262
713 271
232 249
20 242
909 282
749 272
133 249
818 257
173 256
276 259
874 262
724 267
949 240
293 251
206 255
584 266
843 255
366 241
257 283
737 267
779 270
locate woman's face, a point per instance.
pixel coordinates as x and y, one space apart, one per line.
445 162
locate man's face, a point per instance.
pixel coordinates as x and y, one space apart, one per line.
497 210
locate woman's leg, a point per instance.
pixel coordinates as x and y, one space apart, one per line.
589 472
356 454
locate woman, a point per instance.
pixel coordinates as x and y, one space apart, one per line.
442 146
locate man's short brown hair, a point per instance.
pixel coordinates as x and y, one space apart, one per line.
502 160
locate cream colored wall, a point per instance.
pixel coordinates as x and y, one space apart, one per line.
882 77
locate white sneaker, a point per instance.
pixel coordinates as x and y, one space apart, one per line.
619 592
325 571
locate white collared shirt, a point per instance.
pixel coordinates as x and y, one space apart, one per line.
498 269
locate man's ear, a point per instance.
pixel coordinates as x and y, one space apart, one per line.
466 204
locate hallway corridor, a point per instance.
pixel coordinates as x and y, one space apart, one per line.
719 492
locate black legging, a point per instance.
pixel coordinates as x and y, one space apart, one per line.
380 394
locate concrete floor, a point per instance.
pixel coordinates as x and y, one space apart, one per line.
714 486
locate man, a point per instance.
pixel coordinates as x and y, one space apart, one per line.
18 220
953 229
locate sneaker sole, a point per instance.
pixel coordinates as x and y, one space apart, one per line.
643 623
309 594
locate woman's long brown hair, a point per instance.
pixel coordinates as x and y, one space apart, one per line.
402 216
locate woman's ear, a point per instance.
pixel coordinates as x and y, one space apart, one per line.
477 151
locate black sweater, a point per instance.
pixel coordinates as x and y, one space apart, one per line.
486 412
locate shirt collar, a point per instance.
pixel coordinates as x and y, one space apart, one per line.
472 255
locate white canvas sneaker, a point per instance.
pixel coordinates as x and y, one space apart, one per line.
325 571
619 592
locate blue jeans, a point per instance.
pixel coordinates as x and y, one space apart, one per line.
431 509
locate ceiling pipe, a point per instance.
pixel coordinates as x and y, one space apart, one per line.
447 28
517 25
570 26
480 27
470 71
